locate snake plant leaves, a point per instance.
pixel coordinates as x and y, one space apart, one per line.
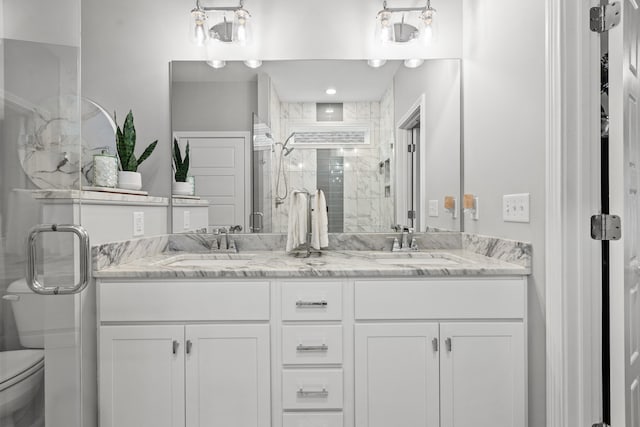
126 144
181 166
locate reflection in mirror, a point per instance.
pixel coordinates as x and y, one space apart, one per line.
384 148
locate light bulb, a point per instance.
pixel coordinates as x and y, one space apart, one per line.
199 32
385 27
216 63
241 28
253 63
376 63
428 25
413 62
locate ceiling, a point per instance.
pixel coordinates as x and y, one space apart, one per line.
300 81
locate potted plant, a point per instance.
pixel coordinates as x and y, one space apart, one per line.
181 166
128 176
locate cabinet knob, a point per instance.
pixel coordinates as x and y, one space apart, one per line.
176 344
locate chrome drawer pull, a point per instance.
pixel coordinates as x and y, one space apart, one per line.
313 393
311 304
302 348
175 346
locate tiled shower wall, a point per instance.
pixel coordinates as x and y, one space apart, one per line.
366 208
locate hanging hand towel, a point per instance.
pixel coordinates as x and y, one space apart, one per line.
297 223
319 222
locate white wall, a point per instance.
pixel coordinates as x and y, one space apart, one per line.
213 106
504 142
127 46
440 82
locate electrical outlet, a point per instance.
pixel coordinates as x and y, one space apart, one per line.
515 207
186 220
433 207
138 224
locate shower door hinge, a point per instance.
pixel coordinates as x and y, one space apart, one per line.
605 17
600 425
411 148
606 227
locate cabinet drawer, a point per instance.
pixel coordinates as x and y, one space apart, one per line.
440 299
312 301
312 389
311 344
183 301
312 420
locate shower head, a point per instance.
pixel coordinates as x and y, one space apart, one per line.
287 151
287 140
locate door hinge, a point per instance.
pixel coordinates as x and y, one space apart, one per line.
605 17
606 227
411 148
411 214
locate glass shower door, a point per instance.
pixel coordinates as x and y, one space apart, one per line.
43 349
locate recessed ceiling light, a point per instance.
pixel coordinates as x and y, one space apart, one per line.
216 63
331 91
253 63
413 63
376 63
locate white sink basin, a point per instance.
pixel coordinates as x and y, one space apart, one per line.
416 261
208 260
416 258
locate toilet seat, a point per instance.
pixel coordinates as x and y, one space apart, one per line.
17 365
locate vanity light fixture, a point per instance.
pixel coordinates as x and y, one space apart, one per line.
253 63
237 30
388 31
331 91
376 63
216 63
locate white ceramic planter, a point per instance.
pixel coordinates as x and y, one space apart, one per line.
129 180
181 188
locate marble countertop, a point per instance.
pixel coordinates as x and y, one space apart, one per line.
332 263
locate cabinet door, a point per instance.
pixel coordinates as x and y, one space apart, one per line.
141 376
482 374
227 368
396 368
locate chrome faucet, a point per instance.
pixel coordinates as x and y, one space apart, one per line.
407 243
223 242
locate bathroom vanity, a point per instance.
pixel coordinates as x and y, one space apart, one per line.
352 338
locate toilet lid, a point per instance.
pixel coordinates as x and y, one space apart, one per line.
15 363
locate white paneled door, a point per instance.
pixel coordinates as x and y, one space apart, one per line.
219 162
396 377
624 167
227 375
482 380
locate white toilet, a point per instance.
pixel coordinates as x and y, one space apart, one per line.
22 371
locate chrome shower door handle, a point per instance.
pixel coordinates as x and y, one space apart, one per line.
84 252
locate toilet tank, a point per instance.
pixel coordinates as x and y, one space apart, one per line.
28 310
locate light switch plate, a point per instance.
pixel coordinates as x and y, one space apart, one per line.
433 207
186 220
515 207
138 224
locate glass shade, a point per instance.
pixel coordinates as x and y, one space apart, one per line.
216 63
384 28
428 25
198 33
242 27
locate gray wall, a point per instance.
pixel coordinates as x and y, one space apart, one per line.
440 82
211 106
504 143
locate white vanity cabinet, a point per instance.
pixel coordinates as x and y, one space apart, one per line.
440 353
207 364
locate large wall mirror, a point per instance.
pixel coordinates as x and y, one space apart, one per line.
384 144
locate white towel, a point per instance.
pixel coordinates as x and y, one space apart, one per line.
297 224
319 222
